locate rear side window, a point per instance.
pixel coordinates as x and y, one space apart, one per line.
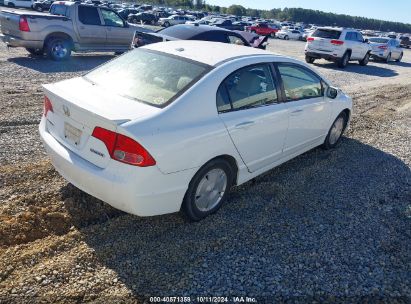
326 33
299 83
246 88
88 15
59 10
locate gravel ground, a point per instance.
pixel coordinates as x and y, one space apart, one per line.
328 226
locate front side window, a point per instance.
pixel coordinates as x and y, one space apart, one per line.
299 83
360 38
59 10
111 18
248 87
88 15
153 78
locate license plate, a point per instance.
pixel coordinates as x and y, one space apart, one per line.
72 134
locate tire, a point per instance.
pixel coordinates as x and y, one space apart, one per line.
343 62
152 22
58 48
212 183
336 131
166 24
309 59
388 59
134 20
11 5
272 35
35 52
365 60
286 37
399 58
39 9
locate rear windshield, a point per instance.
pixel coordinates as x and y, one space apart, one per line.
146 76
328 34
378 40
59 9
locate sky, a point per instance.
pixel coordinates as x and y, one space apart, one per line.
390 10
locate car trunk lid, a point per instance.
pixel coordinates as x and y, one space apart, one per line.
78 107
322 39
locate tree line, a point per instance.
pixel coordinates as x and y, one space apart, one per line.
308 16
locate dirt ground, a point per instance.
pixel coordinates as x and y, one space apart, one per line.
326 225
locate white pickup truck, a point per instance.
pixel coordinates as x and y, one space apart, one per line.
70 26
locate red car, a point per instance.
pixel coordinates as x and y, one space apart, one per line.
262 29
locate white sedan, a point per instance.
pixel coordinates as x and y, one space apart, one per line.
289 34
173 126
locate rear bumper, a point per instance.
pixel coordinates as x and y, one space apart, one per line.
326 56
379 55
135 190
12 41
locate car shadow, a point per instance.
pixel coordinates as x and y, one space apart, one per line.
326 220
353 67
76 63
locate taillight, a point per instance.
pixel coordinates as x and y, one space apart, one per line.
383 47
23 24
47 106
309 39
337 42
123 148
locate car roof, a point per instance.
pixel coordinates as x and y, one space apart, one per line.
211 53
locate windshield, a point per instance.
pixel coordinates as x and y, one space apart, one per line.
146 76
378 40
328 34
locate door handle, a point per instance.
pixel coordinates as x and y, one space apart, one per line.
244 124
296 112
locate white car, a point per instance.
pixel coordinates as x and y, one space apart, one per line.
19 3
174 125
385 48
173 20
340 45
289 34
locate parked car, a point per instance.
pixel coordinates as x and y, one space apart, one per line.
19 3
262 29
146 18
70 26
42 6
199 32
340 45
228 25
124 13
385 48
405 42
289 34
173 20
199 22
173 126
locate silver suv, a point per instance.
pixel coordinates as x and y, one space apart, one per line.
340 45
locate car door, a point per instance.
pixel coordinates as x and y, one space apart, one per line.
350 38
362 47
90 28
116 32
308 110
248 103
396 50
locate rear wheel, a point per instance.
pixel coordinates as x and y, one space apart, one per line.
11 4
309 59
365 60
343 62
58 48
166 24
35 52
39 9
272 35
208 189
336 131
286 37
400 58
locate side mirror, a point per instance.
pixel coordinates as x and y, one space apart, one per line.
366 41
332 92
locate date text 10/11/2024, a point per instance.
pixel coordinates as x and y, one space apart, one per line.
203 299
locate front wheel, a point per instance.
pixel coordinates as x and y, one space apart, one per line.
58 49
11 5
167 24
208 189
309 59
388 59
343 62
286 38
365 60
39 9
336 131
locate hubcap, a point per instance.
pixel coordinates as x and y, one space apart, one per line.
59 50
336 130
211 189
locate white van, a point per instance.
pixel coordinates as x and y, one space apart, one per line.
19 3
